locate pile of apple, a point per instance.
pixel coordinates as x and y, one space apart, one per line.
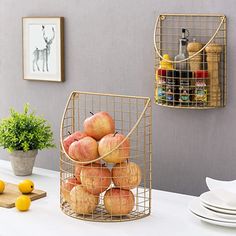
97 139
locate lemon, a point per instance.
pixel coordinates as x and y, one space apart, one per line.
23 203
2 186
26 186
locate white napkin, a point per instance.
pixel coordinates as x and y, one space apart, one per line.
224 190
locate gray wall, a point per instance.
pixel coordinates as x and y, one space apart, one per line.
109 48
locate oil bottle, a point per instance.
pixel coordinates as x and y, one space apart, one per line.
183 54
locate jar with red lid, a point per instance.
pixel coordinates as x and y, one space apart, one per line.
161 84
185 88
200 95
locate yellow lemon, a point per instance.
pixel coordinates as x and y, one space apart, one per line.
23 203
2 186
26 186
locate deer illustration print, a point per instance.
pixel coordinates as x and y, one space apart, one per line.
43 54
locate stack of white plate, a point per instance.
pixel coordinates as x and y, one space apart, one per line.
213 209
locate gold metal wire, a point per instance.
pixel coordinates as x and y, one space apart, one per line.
132 116
207 29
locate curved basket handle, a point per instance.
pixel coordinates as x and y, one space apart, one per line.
186 59
101 157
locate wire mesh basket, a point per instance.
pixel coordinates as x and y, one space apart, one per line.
190 60
105 158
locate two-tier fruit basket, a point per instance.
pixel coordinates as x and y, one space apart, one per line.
105 158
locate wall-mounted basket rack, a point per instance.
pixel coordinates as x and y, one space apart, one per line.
190 61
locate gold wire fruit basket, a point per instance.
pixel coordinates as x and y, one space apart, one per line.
190 61
105 157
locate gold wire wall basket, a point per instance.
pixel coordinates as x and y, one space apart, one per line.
190 60
97 189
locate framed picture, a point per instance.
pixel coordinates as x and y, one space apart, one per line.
43 48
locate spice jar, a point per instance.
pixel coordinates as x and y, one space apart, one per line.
161 78
201 87
161 85
185 89
172 87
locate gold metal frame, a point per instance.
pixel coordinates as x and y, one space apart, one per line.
62 59
164 32
133 118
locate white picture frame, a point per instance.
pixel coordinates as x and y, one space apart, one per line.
43 48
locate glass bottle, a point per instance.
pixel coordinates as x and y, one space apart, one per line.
183 41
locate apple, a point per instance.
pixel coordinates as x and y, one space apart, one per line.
72 138
95 178
99 125
67 185
119 201
82 202
126 175
109 142
86 149
78 169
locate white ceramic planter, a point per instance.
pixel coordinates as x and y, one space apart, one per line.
23 162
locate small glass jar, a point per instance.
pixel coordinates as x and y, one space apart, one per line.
161 84
185 89
200 95
172 87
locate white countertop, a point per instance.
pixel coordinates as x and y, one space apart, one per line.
170 215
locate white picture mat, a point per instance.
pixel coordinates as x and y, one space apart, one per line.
32 39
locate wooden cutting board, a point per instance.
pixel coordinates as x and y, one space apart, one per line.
11 192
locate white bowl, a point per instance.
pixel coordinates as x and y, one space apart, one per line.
224 190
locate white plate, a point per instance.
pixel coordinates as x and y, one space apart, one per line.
229 225
199 210
210 199
225 212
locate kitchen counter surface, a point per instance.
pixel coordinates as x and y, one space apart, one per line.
170 215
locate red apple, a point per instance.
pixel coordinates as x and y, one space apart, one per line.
95 178
99 125
72 138
109 142
66 187
78 168
86 149
82 202
126 175
119 201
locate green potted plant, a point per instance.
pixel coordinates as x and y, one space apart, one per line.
23 134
